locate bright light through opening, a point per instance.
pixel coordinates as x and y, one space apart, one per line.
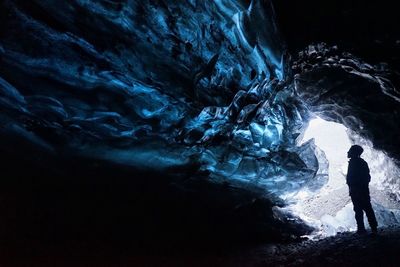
330 209
333 139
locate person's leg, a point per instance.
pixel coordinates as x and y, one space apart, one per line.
371 216
359 215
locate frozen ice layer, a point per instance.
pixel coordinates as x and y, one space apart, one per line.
198 88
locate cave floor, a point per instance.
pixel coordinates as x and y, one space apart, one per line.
344 249
60 221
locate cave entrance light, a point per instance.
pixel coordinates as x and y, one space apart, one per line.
333 140
330 209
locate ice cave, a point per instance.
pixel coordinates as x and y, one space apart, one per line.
126 121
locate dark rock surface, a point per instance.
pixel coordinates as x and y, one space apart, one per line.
344 249
343 88
367 29
91 208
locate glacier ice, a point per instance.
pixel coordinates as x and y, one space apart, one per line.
160 84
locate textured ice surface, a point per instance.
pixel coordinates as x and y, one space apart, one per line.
158 84
123 81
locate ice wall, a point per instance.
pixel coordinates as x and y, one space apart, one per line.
156 84
203 85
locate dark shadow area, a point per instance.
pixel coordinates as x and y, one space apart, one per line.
368 29
63 207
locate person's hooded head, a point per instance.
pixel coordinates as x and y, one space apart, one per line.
355 151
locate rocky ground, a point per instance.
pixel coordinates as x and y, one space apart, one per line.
344 249
117 222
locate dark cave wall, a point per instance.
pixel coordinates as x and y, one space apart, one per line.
354 77
344 88
367 29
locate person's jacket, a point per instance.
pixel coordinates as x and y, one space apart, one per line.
358 176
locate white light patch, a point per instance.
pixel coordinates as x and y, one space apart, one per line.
333 139
330 209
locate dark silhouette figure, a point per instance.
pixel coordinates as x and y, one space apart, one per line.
358 178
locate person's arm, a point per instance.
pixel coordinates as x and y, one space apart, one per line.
350 175
367 175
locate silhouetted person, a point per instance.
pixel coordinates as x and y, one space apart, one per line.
357 179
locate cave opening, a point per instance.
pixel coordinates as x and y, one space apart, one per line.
329 209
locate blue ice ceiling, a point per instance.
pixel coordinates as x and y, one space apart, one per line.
157 84
203 90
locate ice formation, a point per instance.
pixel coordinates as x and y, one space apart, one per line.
160 84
